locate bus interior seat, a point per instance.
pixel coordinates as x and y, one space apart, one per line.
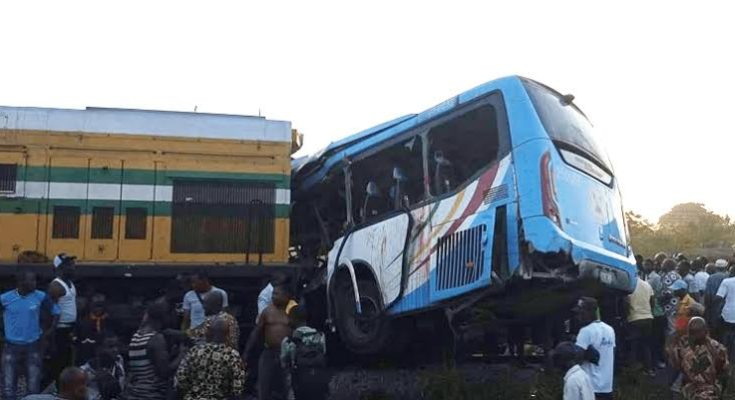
374 203
398 197
443 174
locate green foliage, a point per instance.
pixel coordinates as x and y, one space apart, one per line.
690 228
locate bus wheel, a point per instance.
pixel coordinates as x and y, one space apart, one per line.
369 331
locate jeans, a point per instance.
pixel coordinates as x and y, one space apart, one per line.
658 339
62 356
17 356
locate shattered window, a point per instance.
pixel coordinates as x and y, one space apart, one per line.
460 147
396 178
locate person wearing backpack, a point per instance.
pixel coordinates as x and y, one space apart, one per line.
303 358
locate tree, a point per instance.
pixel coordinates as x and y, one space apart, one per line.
690 228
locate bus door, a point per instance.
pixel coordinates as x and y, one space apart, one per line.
385 184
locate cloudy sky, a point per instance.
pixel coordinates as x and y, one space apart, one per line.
656 78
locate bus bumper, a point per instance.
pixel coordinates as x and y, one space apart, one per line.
611 270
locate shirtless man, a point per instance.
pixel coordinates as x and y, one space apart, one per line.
273 326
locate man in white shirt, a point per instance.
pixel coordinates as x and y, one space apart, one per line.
194 300
577 384
599 336
700 280
726 294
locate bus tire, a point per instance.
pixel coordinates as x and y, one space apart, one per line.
362 334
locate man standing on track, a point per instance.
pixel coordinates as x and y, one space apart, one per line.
63 292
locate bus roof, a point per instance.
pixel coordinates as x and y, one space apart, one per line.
308 173
144 122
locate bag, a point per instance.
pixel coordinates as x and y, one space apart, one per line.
309 351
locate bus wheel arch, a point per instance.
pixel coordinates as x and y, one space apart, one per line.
364 329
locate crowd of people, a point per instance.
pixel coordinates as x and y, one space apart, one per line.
680 319
62 355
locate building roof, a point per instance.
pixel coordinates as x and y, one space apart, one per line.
145 122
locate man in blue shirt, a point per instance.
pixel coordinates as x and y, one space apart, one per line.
24 310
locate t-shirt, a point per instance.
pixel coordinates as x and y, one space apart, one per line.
700 280
727 290
691 285
577 385
602 337
639 302
195 308
22 315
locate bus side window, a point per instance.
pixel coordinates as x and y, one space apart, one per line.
461 147
396 176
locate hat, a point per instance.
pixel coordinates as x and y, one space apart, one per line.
63 259
679 284
721 263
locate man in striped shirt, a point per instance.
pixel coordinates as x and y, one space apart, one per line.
149 365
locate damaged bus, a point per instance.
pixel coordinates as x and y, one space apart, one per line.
486 198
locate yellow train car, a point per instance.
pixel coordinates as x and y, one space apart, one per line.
134 187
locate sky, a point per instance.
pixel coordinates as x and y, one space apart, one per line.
655 78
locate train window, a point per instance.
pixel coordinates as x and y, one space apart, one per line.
8 176
66 222
462 146
223 217
136 223
102 220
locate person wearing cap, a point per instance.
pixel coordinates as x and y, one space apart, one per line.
62 292
726 298
577 385
25 310
680 317
718 273
596 337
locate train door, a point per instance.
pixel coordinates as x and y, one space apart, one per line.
19 211
67 205
136 213
103 209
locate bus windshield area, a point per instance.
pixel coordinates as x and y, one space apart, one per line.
566 125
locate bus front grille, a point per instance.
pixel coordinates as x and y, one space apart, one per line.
461 258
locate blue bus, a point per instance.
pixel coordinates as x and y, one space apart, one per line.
499 187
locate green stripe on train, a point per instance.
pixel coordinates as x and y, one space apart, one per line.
138 176
41 206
